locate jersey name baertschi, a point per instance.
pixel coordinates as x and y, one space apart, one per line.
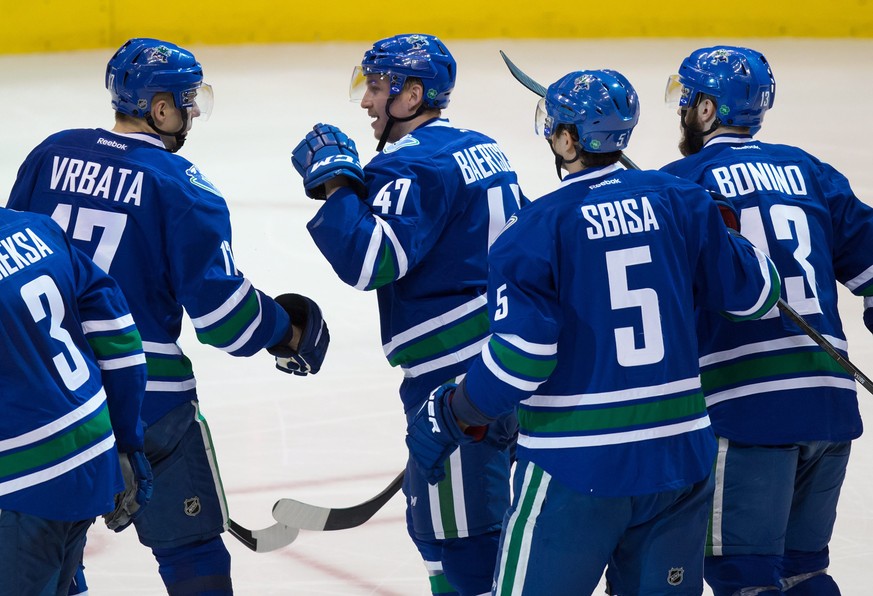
481 161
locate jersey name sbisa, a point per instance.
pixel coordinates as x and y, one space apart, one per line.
96 179
627 216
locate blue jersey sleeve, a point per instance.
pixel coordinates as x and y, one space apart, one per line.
371 243
227 311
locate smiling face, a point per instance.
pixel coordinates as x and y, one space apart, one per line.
377 93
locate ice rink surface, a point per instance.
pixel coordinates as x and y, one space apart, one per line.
337 438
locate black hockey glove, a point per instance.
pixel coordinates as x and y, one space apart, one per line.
314 339
137 493
325 152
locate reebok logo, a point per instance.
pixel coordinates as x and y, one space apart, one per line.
111 143
605 182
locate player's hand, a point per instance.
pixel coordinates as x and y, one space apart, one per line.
728 211
137 493
325 153
309 352
435 433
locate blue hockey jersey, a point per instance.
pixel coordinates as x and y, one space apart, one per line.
162 230
766 382
437 199
72 371
591 292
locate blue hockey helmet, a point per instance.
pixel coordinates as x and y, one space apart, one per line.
601 104
143 67
410 55
738 78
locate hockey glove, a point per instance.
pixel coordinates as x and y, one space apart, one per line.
728 211
137 493
324 153
434 433
314 339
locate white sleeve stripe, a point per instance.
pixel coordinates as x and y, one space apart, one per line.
502 375
219 313
529 347
370 258
153 347
860 280
107 325
402 261
763 263
126 362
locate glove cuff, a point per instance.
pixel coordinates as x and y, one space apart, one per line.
465 410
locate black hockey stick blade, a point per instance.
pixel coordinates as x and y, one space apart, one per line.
825 345
266 540
311 517
537 88
522 78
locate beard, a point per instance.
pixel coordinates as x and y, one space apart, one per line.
692 134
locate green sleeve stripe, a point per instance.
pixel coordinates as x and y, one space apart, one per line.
386 271
462 333
177 367
59 448
520 364
655 413
107 346
231 327
768 368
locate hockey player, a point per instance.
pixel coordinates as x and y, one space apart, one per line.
590 292
781 407
155 223
73 375
415 226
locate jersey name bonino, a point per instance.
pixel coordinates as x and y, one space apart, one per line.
624 216
11 248
747 177
96 179
481 161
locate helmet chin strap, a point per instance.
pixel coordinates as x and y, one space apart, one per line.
560 161
179 135
383 138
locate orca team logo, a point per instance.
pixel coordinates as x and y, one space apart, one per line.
159 55
583 82
197 178
192 506
417 42
675 576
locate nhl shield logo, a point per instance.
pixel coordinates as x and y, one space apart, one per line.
192 506
675 576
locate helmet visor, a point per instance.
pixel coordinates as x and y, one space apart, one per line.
543 123
676 95
358 84
198 101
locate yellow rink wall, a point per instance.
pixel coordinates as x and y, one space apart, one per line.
54 25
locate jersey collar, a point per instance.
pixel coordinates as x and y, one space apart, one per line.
140 136
728 138
590 174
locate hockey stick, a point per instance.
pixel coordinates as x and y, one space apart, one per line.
311 517
792 314
263 541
